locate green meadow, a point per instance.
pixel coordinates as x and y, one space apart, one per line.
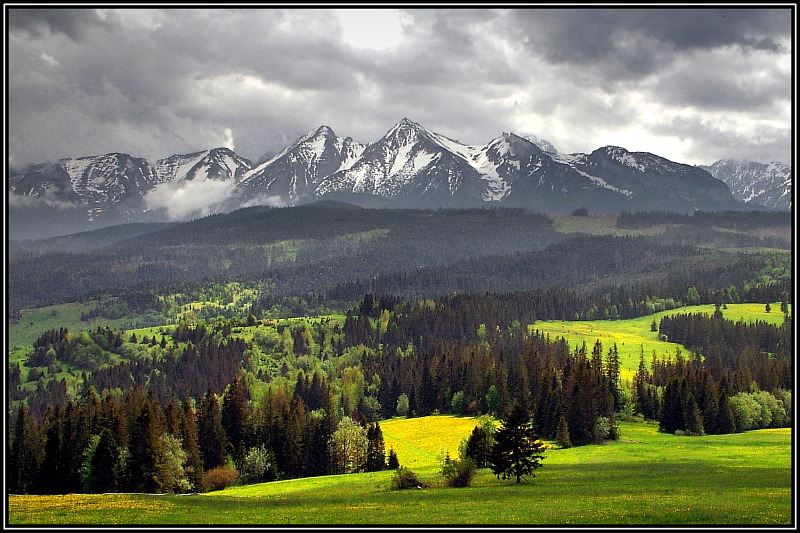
634 335
645 478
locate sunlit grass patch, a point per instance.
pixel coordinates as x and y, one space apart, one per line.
88 508
423 441
633 336
645 478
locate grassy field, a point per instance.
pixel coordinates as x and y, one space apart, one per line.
599 224
633 335
34 322
645 478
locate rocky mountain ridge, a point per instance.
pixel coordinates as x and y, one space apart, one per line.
766 184
409 166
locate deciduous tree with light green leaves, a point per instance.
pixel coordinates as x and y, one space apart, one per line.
348 447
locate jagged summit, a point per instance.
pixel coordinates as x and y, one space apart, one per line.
767 184
410 166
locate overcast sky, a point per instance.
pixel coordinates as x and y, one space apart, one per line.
691 85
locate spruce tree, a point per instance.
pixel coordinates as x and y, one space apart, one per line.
146 451
211 435
726 421
478 446
562 433
24 456
517 452
191 445
613 373
392 463
50 474
671 417
693 417
106 463
376 454
235 418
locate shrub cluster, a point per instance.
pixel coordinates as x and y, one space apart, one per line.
406 479
219 478
458 473
762 409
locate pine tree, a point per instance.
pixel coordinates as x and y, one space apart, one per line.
562 433
392 463
24 456
478 446
517 452
211 434
376 454
235 418
191 445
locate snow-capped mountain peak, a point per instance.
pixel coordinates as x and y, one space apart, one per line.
294 173
410 166
543 144
768 184
217 163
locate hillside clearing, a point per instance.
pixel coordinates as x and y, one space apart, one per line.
645 478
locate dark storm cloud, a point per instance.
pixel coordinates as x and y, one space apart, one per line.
38 22
587 36
449 48
298 50
721 84
156 82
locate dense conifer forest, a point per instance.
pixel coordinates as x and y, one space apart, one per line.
325 325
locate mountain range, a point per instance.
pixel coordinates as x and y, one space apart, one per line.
410 166
767 184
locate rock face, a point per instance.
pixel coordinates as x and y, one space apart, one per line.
769 185
409 166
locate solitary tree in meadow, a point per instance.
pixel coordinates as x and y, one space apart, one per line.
517 452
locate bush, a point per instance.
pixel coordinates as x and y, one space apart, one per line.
785 397
605 429
458 473
746 411
219 478
406 479
773 413
258 465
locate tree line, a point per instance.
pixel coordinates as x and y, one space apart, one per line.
314 409
738 220
132 442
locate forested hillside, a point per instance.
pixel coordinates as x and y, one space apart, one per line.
155 412
335 253
277 335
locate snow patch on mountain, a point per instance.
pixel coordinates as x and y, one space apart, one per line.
767 184
544 145
604 184
409 163
624 157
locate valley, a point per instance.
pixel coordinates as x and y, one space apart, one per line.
706 481
260 337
